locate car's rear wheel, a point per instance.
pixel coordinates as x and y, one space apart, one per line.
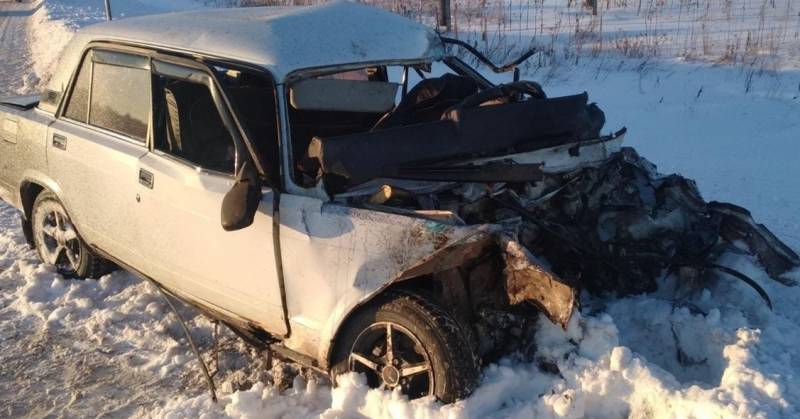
58 243
407 341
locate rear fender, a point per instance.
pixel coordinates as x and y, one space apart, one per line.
35 177
33 183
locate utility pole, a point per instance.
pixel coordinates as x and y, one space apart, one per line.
108 9
444 14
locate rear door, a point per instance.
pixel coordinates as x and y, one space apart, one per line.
182 185
94 148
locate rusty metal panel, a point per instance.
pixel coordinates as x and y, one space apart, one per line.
528 280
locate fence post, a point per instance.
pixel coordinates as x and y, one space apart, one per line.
592 4
444 14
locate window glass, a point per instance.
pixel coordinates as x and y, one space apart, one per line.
78 106
253 98
189 126
120 99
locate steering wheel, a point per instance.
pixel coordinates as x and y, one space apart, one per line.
506 93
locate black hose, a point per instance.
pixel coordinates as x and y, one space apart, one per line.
211 387
484 59
746 279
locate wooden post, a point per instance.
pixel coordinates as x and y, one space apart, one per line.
444 14
592 4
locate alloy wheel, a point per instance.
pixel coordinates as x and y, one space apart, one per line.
59 242
391 356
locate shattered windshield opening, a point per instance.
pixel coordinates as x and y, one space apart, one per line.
434 131
342 103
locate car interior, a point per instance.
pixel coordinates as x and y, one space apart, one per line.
189 126
253 99
441 121
359 111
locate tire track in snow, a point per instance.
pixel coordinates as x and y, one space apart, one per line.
15 64
84 348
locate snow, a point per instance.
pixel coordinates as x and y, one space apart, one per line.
54 23
698 120
111 346
747 33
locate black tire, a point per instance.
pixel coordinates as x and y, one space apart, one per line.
72 257
445 346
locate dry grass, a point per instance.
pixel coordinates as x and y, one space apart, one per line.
760 35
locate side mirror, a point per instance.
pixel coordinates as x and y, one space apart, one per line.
241 202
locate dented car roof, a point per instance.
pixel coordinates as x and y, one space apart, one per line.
279 39
283 39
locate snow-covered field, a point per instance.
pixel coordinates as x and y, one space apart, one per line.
89 348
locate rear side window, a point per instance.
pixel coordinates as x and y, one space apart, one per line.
120 99
78 106
113 91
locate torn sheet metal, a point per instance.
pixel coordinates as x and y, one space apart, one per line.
569 157
621 225
737 224
527 279
592 216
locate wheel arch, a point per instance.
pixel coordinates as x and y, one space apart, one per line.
31 186
419 277
372 300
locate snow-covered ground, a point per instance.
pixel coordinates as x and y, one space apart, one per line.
16 60
87 348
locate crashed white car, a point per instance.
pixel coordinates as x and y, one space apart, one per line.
337 186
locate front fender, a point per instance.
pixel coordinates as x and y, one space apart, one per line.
335 258
338 258
430 247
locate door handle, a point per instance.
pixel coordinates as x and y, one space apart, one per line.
146 178
59 141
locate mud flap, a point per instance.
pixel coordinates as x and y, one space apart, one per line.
527 279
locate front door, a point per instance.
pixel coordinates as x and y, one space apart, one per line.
182 183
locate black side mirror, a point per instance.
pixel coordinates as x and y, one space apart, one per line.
241 202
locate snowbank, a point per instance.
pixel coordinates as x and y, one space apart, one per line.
48 37
620 362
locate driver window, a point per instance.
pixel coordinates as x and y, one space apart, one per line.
252 97
189 126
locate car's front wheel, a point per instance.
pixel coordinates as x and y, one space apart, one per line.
410 342
58 243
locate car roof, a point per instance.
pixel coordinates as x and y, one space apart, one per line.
282 39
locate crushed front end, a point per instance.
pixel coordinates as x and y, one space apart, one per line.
569 209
